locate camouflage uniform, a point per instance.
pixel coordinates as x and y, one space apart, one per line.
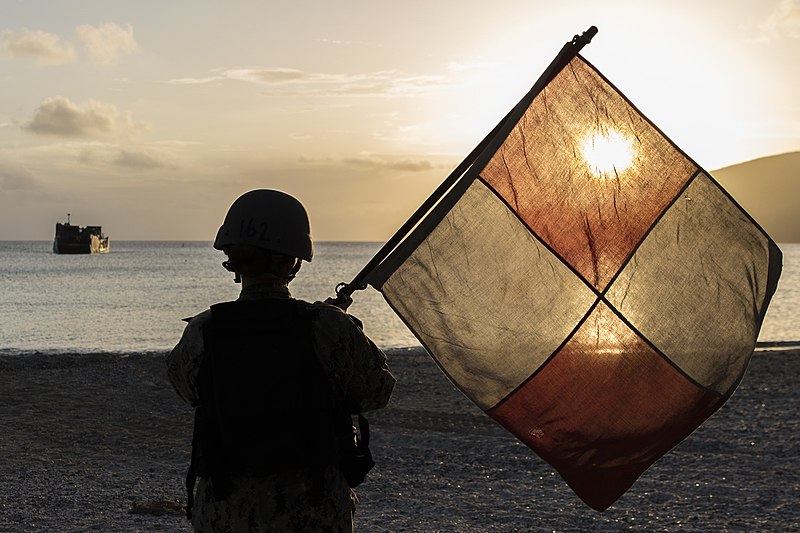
283 501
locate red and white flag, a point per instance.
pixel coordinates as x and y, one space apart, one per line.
586 284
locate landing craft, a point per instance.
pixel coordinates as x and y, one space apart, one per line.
71 239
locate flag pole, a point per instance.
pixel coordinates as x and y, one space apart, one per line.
567 53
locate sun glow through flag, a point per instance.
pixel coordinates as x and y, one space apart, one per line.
586 283
607 153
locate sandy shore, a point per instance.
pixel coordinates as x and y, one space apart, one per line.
87 439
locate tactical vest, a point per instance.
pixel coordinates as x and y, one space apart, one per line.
266 404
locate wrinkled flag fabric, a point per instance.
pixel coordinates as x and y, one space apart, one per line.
590 287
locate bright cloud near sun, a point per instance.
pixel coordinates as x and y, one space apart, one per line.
783 22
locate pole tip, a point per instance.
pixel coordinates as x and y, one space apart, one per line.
586 37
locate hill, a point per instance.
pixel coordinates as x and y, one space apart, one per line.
769 189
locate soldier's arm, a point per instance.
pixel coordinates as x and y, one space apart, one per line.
353 360
183 362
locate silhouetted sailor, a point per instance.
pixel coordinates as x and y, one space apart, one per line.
273 381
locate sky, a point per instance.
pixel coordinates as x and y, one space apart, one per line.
149 118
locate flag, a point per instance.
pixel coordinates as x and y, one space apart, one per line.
586 283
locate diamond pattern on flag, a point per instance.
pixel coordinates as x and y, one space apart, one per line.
589 286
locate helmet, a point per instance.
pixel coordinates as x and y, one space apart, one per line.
268 219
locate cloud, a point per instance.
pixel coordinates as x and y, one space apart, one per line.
376 162
106 42
783 22
114 158
286 81
137 160
42 47
340 41
16 180
59 116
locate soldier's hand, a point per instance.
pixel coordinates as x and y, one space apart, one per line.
341 301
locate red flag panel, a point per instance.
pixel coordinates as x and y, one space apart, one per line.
586 172
604 408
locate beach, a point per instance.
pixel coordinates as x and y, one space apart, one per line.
101 442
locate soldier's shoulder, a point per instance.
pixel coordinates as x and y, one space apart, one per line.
199 319
328 311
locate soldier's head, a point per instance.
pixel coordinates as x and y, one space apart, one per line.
266 234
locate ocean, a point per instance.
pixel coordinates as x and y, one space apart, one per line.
132 299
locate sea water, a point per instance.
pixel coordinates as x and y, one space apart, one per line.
132 299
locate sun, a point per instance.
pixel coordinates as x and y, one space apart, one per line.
607 153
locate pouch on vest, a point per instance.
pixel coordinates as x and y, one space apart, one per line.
356 458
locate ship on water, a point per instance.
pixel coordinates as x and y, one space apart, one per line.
79 240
